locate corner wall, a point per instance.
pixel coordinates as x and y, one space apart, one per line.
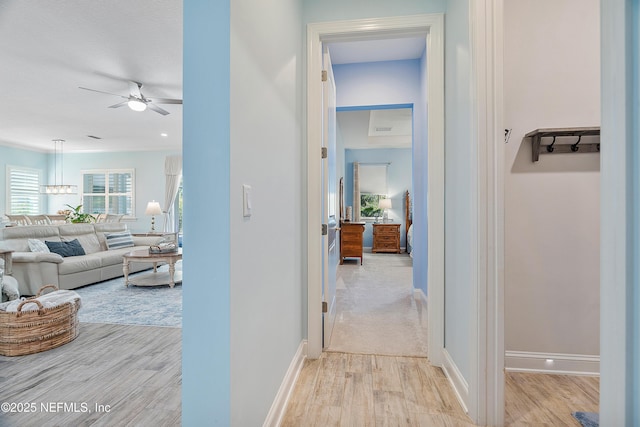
265 248
552 206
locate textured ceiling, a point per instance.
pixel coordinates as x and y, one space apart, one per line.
49 48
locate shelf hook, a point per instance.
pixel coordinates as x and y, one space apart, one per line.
574 147
550 147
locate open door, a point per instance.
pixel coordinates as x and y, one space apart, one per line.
331 241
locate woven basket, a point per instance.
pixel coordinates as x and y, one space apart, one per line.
27 332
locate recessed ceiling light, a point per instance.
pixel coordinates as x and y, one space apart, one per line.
163 134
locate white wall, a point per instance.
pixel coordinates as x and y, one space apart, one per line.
552 211
266 248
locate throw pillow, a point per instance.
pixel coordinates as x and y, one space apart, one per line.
36 245
119 240
72 248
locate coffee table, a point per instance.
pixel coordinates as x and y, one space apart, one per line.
156 277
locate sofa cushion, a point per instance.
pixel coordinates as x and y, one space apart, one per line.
108 227
119 240
36 245
85 233
16 238
79 264
66 249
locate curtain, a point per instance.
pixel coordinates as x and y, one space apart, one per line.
356 191
173 171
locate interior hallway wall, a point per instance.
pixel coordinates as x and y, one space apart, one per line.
552 206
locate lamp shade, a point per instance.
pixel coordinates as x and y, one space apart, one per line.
153 208
385 204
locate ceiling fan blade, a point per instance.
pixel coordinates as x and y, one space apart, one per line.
134 89
119 104
166 101
101 91
157 109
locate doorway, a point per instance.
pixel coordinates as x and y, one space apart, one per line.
431 26
377 308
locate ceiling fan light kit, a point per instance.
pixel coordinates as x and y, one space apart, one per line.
137 101
136 105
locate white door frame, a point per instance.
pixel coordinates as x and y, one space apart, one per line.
432 25
487 382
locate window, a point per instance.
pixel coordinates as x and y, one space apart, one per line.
108 192
23 191
372 179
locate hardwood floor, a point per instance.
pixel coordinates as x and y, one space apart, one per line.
548 400
342 389
133 372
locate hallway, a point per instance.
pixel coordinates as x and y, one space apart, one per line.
376 309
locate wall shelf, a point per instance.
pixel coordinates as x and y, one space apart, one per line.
553 148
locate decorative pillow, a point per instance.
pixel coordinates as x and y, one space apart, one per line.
72 248
119 240
36 245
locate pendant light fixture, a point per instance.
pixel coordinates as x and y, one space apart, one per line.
56 188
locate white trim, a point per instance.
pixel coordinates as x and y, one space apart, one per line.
486 381
433 26
459 384
563 364
420 295
279 406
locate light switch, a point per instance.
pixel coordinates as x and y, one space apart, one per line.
246 200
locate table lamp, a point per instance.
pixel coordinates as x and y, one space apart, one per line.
153 209
385 204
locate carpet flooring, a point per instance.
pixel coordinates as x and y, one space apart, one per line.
376 309
111 302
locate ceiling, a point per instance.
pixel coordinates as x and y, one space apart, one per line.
50 48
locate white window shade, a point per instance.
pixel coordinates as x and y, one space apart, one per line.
23 190
373 178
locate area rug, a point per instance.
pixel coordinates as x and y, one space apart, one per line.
112 302
587 419
376 309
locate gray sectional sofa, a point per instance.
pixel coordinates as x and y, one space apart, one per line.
35 269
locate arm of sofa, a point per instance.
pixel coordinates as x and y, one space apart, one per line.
37 257
146 240
34 269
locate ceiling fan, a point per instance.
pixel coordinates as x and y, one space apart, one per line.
137 101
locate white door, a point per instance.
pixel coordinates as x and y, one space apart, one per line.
331 242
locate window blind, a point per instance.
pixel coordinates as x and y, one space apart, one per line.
23 190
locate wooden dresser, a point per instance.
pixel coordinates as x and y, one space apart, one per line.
386 238
351 240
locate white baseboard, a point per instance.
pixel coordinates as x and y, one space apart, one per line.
419 294
459 384
552 363
279 406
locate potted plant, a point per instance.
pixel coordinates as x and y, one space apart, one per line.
75 215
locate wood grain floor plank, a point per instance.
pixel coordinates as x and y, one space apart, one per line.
135 370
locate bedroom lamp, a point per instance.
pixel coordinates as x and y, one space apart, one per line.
385 204
153 209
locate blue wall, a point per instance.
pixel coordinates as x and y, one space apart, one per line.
148 167
398 181
397 82
206 325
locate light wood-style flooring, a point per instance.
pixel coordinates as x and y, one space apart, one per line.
342 389
134 372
